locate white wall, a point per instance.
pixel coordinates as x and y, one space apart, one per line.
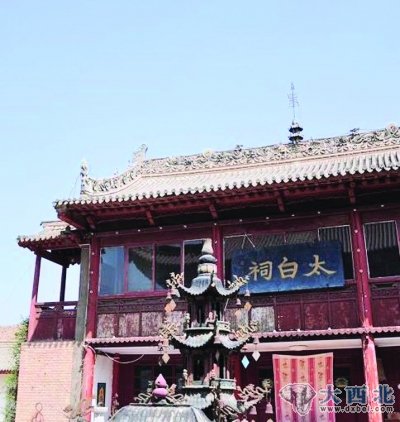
2 396
103 372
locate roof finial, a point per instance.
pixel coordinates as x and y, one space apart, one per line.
139 156
295 129
293 102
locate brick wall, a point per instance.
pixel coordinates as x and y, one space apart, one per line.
47 371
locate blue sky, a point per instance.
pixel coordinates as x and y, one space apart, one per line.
95 79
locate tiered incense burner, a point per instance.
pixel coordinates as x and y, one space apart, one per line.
207 343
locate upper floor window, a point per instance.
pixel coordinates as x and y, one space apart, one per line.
167 261
342 235
233 243
146 268
112 270
382 249
257 241
192 252
140 269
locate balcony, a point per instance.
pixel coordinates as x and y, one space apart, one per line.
54 321
305 311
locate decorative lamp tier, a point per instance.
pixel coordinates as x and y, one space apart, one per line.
295 133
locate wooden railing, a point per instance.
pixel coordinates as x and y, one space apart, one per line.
54 321
320 310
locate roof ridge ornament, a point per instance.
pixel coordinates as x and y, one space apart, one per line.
86 186
139 156
295 129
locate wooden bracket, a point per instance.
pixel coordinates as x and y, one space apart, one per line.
352 193
213 211
150 218
279 199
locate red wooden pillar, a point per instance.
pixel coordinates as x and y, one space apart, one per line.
218 246
371 375
35 289
365 311
361 269
93 289
90 354
236 368
115 381
88 377
63 283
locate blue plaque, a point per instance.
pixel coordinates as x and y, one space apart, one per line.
285 268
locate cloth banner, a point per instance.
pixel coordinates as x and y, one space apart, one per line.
300 383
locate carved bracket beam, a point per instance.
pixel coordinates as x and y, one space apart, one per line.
91 221
213 211
352 193
150 218
279 199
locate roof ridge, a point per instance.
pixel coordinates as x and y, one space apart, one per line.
274 145
241 157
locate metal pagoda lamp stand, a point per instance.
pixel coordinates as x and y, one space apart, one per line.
206 344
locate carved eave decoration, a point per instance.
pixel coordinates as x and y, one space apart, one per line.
310 149
201 286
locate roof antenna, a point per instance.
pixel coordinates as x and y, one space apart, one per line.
295 129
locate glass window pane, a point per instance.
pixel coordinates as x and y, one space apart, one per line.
231 244
267 240
341 234
111 270
234 243
301 237
168 260
140 269
382 249
192 253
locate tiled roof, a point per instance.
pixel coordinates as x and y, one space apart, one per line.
200 400
7 333
201 284
330 332
266 335
232 344
195 341
7 339
124 340
141 413
276 164
50 230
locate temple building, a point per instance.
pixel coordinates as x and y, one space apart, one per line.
310 225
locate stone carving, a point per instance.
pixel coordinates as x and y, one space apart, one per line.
355 142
